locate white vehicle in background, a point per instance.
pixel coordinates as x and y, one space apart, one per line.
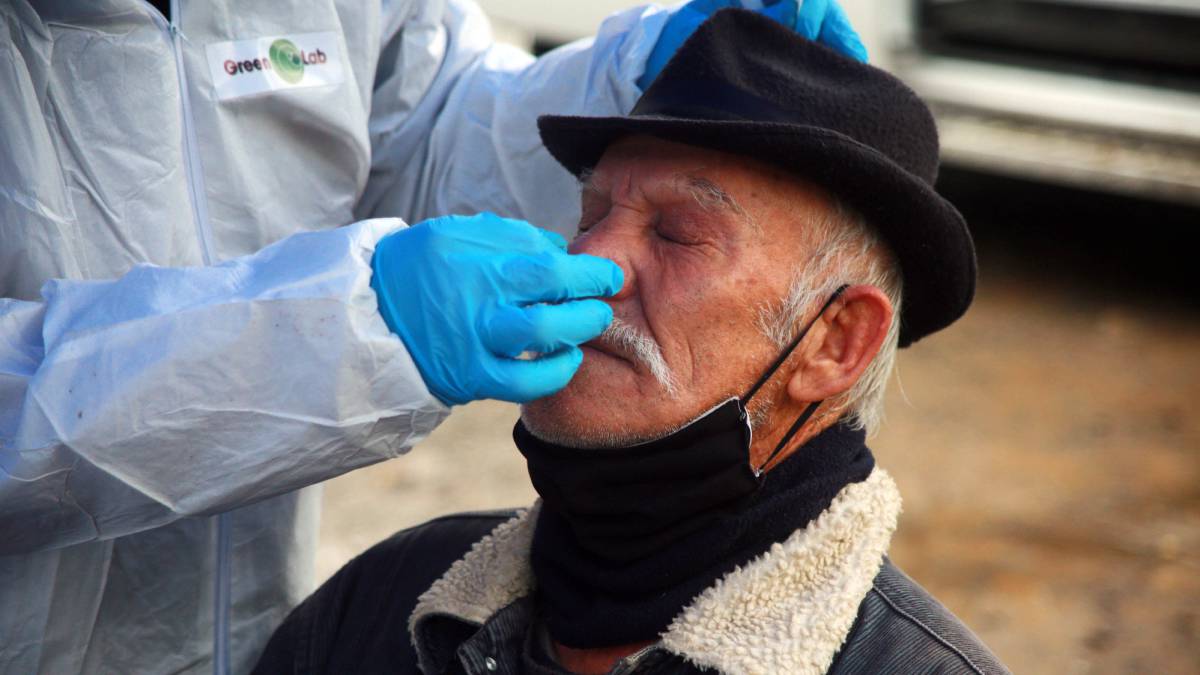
1100 94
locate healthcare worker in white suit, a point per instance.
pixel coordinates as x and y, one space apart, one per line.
208 301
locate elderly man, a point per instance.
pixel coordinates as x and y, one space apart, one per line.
708 502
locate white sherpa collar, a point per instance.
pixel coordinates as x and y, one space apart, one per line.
787 611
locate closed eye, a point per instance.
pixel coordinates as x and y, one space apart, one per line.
661 234
675 230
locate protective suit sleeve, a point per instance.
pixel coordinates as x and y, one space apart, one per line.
169 392
471 143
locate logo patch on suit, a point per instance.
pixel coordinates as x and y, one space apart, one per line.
267 64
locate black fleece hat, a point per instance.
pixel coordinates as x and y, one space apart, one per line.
746 85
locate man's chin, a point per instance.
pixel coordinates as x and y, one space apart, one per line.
549 420
592 424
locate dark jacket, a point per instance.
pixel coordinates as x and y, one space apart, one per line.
453 595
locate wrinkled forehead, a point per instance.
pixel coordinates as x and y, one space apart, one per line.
694 184
746 187
654 156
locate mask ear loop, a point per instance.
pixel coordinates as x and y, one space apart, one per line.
804 417
812 407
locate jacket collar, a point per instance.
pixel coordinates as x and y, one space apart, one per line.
788 611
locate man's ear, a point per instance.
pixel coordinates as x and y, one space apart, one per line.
841 344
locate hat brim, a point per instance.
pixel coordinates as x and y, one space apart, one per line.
927 234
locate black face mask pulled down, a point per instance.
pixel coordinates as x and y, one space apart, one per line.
629 534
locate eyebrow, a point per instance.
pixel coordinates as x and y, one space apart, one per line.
711 196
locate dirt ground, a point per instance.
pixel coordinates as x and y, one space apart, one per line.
1047 445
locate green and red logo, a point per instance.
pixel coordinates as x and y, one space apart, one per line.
284 57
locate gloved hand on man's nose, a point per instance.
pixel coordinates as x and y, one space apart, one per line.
467 294
820 20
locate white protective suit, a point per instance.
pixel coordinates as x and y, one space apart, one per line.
186 331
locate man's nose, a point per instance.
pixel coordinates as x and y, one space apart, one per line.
603 244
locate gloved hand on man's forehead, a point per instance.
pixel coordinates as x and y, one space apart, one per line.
821 20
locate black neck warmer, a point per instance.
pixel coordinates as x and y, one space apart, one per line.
588 601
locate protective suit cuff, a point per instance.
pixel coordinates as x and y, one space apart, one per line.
369 302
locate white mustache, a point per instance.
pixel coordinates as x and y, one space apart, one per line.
642 348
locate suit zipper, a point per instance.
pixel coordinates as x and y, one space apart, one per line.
195 181
195 171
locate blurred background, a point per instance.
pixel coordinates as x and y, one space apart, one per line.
1047 445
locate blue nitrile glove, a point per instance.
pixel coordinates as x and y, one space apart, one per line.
820 20
466 294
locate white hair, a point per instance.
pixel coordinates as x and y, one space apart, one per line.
643 348
845 250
